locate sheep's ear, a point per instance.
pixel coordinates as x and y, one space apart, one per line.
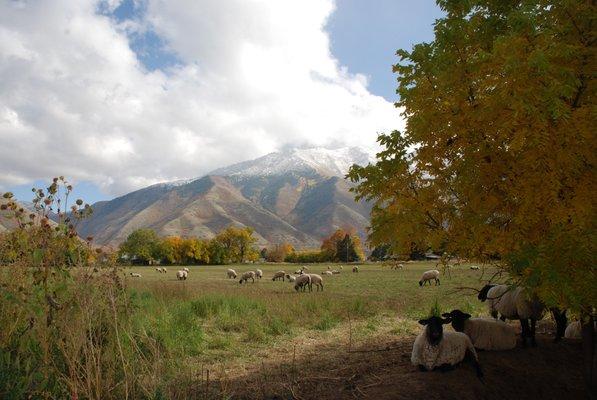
446 321
423 321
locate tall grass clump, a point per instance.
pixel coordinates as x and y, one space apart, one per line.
67 320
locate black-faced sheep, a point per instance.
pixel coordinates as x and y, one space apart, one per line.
181 275
355 268
279 275
485 333
291 278
258 273
434 348
135 275
230 273
428 276
246 276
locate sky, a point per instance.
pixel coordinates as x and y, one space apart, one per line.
117 95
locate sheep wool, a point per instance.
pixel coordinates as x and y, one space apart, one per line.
513 303
489 334
450 350
573 331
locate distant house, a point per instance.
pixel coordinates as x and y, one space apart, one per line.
432 256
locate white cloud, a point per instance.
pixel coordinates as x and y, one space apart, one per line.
255 76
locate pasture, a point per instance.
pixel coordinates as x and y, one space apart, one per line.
264 340
230 321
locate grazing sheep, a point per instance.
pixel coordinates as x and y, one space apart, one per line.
474 267
434 348
514 303
302 282
316 280
573 331
159 270
230 273
355 268
291 278
135 275
164 270
428 276
278 275
327 273
258 273
335 271
186 270
181 275
298 272
485 333
245 277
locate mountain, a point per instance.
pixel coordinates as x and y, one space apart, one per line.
297 196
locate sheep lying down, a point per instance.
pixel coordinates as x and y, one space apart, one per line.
485 333
434 348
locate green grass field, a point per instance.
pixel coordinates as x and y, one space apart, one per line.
211 319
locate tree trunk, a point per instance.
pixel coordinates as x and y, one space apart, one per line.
589 348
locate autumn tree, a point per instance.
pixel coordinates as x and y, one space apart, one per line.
342 245
142 245
279 252
238 244
497 157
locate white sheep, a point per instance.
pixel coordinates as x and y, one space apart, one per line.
474 267
335 271
245 277
135 275
316 280
258 273
434 348
291 278
513 302
355 268
181 275
485 333
302 282
327 273
230 273
278 275
573 331
159 270
428 276
164 270
186 270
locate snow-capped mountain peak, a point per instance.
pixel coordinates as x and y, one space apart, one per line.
327 162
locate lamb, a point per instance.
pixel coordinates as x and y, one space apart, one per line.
245 277
514 303
485 333
258 273
181 275
428 276
327 273
135 275
573 331
278 275
291 278
302 281
434 348
316 280
355 268
230 273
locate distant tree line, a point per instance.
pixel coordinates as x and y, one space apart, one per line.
340 246
231 245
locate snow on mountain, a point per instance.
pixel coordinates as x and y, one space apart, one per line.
327 162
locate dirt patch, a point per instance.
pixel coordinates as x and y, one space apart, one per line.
382 370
